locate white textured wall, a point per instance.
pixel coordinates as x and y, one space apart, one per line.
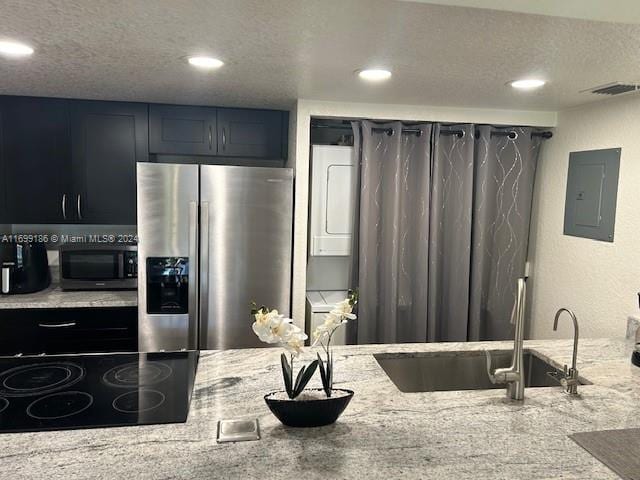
598 280
299 157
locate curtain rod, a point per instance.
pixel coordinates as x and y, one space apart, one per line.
459 133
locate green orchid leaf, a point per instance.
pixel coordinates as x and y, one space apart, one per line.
304 376
286 374
329 375
298 377
323 376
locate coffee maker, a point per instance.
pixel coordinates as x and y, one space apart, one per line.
25 268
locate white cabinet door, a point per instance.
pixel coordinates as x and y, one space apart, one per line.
331 200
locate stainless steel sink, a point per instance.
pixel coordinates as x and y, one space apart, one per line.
466 370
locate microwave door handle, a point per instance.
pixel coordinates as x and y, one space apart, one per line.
193 274
6 278
120 265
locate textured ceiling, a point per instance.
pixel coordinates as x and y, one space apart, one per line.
279 50
623 11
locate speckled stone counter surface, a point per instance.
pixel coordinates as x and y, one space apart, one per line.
383 433
55 297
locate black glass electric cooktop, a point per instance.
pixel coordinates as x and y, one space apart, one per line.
97 390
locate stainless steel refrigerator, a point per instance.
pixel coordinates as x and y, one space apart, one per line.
212 239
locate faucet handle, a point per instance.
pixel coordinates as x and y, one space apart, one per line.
500 375
493 377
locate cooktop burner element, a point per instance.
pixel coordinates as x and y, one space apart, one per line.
59 405
137 401
95 390
135 374
39 379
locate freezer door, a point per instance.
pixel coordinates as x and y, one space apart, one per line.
167 256
246 237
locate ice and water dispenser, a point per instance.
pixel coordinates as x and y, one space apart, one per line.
168 285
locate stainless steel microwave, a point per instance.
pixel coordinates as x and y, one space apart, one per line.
98 267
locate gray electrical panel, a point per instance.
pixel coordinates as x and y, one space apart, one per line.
592 191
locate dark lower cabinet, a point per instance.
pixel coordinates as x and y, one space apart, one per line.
251 133
182 130
73 330
36 154
107 138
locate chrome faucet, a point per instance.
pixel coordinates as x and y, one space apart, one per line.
569 378
514 375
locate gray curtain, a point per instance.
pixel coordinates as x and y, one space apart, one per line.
504 173
442 228
450 240
393 233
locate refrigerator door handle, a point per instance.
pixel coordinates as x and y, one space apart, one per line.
204 270
193 272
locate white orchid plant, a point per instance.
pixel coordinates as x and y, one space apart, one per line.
273 328
339 316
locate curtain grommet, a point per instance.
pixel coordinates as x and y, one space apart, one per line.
513 135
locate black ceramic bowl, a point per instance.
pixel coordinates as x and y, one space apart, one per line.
309 413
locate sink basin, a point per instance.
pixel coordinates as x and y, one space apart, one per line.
465 370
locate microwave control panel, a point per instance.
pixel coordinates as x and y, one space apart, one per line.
130 264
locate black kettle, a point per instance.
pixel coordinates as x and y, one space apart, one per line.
25 268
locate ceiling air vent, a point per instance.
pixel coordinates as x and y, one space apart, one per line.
615 88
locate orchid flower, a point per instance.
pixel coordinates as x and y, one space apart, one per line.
275 329
338 316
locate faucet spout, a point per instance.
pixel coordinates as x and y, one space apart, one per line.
570 381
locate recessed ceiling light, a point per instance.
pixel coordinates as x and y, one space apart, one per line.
527 83
208 63
15 49
374 74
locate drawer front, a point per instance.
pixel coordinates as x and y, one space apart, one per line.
58 331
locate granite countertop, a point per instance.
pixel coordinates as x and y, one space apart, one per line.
55 297
383 433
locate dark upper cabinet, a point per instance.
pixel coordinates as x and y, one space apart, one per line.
251 133
107 139
182 130
74 161
36 154
3 175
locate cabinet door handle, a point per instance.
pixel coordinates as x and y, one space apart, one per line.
6 280
64 206
79 207
210 137
224 138
57 325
